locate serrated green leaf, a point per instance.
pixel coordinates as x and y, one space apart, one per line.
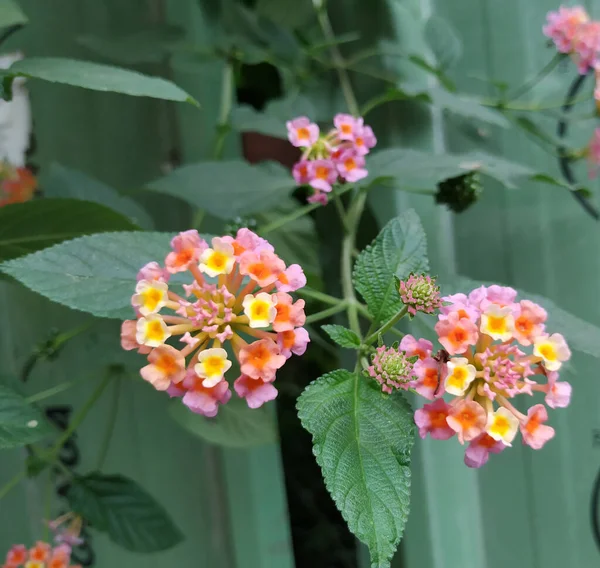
343 336
235 426
146 46
29 227
119 507
98 77
228 188
11 14
362 441
399 249
94 274
443 41
580 334
59 181
20 422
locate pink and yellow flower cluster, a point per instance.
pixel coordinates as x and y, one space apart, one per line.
238 295
42 555
495 348
574 33
337 155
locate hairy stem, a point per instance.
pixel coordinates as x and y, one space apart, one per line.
328 312
386 326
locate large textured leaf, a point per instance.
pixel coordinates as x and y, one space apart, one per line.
95 274
236 425
400 248
28 227
362 441
343 336
11 14
120 507
98 78
59 181
443 41
20 423
580 334
228 188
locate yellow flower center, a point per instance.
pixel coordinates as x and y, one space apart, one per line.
155 330
214 366
501 426
151 298
548 352
217 261
259 310
496 324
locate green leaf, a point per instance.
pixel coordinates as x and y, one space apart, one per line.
272 120
287 13
94 274
467 107
343 336
98 78
362 441
580 334
11 14
20 422
228 188
236 425
120 507
59 181
150 45
399 249
29 227
443 41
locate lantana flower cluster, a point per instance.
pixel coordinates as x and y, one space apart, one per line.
237 296
495 348
17 185
328 158
42 555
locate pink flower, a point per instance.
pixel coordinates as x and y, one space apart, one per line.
291 279
261 359
480 448
205 400
456 334
289 314
128 337
416 347
502 296
187 249
324 175
318 197
586 46
564 25
420 294
264 267
432 420
167 365
294 341
559 393
153 271
427 372
364 139
303 172
17 555
593 153
529 324
246 240
347 126
468 419
255 391
302 132
535 433
351 166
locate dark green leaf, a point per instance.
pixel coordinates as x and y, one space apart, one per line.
467 107
343 336
59 181
236 425
146 46
20 422
443 41
120 507
362 441
95 274
35 225
228 188
399 249
11 14
98 78
287 13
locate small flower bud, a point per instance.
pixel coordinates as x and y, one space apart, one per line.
392 369
420 294
459 193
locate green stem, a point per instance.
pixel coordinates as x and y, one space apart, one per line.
48 494
327 313
296 214
10 485
227 90
43 395
386 326
110 429
338 60
340 209
545 71
316 295
354 214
